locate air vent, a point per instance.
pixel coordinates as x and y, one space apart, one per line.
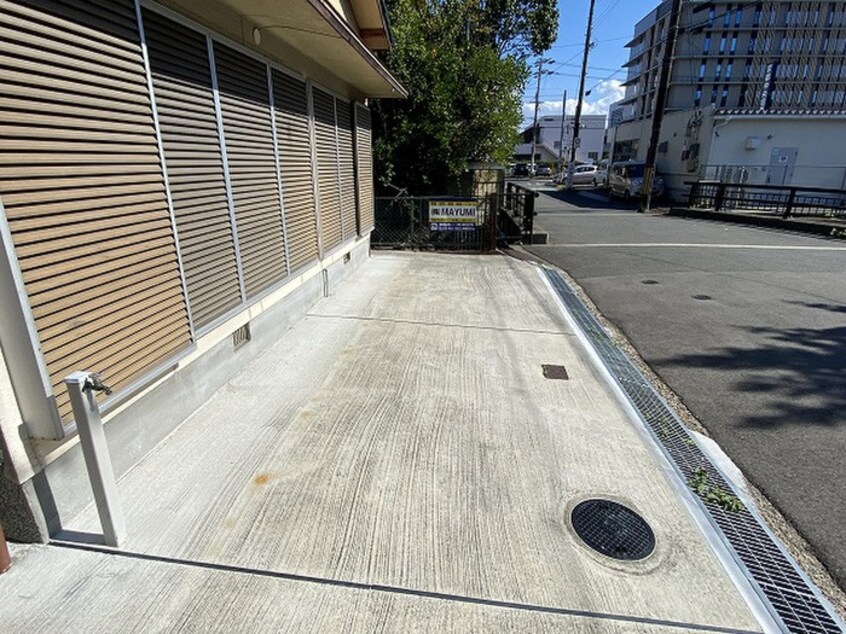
241 336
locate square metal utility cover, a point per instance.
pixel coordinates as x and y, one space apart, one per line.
555 372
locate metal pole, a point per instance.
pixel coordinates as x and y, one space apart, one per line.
5 558
535 120
660 104
81 387
574 141
561 139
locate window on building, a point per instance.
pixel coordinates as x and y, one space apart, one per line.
733 45
738 16
706 46
714 95
711 15
727 16
593 156
697 97
729 68
724 98
723 40
719 70
702 70
756 18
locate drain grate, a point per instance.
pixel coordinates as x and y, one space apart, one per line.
792 597
555 372
612 529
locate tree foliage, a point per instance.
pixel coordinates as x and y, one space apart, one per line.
464 64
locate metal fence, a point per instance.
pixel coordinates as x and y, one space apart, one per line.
769 199
517 213
436 223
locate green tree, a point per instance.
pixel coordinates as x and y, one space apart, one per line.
464 64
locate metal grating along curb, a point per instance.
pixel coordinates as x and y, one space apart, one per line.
792 597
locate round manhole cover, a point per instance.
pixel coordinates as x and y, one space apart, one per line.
612 529
702 298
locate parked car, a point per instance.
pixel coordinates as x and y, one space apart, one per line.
626 179
600 179
521 170
584 175
544 171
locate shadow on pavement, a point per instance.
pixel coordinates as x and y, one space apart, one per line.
590 199
802 370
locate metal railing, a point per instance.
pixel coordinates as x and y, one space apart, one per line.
414 222
517 213
479 223
785 201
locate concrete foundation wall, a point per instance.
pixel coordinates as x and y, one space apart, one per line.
56 487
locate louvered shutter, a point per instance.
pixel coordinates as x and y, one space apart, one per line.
347 169
364 165
245 105
292 135
326 150
185 104
83 191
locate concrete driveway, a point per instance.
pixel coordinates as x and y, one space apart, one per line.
747 325
396 462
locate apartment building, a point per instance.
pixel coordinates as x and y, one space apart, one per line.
780 59
179 180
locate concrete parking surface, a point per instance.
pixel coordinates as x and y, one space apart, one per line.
746 325
396 462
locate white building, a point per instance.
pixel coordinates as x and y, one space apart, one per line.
751 85
549 146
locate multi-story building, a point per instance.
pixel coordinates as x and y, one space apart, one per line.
550 145
771 59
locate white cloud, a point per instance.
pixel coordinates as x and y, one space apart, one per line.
598 102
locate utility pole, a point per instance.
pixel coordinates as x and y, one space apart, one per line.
561 139
535 121
660 104
574 142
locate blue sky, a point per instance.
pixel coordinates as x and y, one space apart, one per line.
614 22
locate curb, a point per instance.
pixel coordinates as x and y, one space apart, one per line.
802 226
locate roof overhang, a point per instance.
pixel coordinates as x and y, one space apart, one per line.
373 26
318 31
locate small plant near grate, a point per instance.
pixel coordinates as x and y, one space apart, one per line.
700 485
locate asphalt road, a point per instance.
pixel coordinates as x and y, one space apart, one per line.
746 325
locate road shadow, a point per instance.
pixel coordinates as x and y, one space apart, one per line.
589 199
802 371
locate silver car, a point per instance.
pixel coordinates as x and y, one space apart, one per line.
626 179
584 175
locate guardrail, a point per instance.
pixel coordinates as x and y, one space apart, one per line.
784 201
517 212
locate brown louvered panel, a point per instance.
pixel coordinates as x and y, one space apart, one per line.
326 151
364 165
83 190
185 102
346 157
245 105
